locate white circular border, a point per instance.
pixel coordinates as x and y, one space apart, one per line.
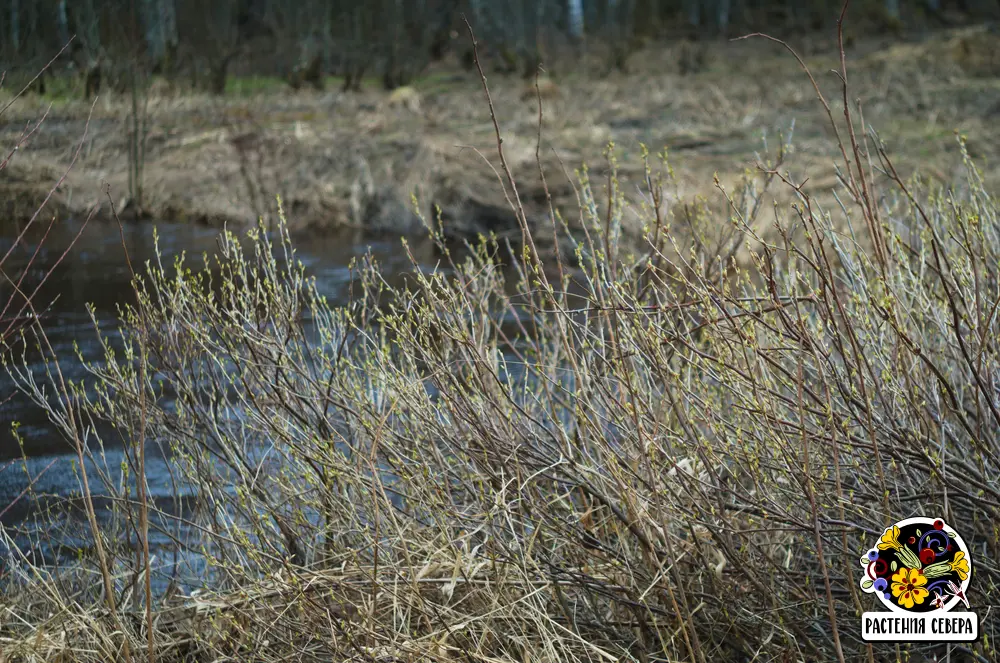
923 520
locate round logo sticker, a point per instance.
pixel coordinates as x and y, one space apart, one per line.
918 565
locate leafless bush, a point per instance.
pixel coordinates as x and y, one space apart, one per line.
14 293
675 459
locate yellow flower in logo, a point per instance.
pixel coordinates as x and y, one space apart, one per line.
890 539
908 587
960 565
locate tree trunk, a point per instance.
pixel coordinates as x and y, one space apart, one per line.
218 72
92 79
152 27
15 25
137 135
575 11
723 9
217 77
692 10
62 20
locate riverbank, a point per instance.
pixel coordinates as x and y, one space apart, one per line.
356 159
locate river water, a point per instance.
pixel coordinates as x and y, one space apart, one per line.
94 272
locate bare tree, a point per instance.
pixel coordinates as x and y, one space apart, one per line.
575 10
354 35
15 25
213 32
302 32
159 21
87 50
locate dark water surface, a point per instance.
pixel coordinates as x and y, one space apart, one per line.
94 271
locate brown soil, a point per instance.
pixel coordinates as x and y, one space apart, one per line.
357 159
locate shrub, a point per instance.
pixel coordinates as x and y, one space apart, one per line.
20 304
16 293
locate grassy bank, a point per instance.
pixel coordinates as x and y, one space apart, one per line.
678 456
355 159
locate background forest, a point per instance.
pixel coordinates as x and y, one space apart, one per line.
202 42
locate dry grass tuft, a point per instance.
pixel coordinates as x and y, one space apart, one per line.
977 51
